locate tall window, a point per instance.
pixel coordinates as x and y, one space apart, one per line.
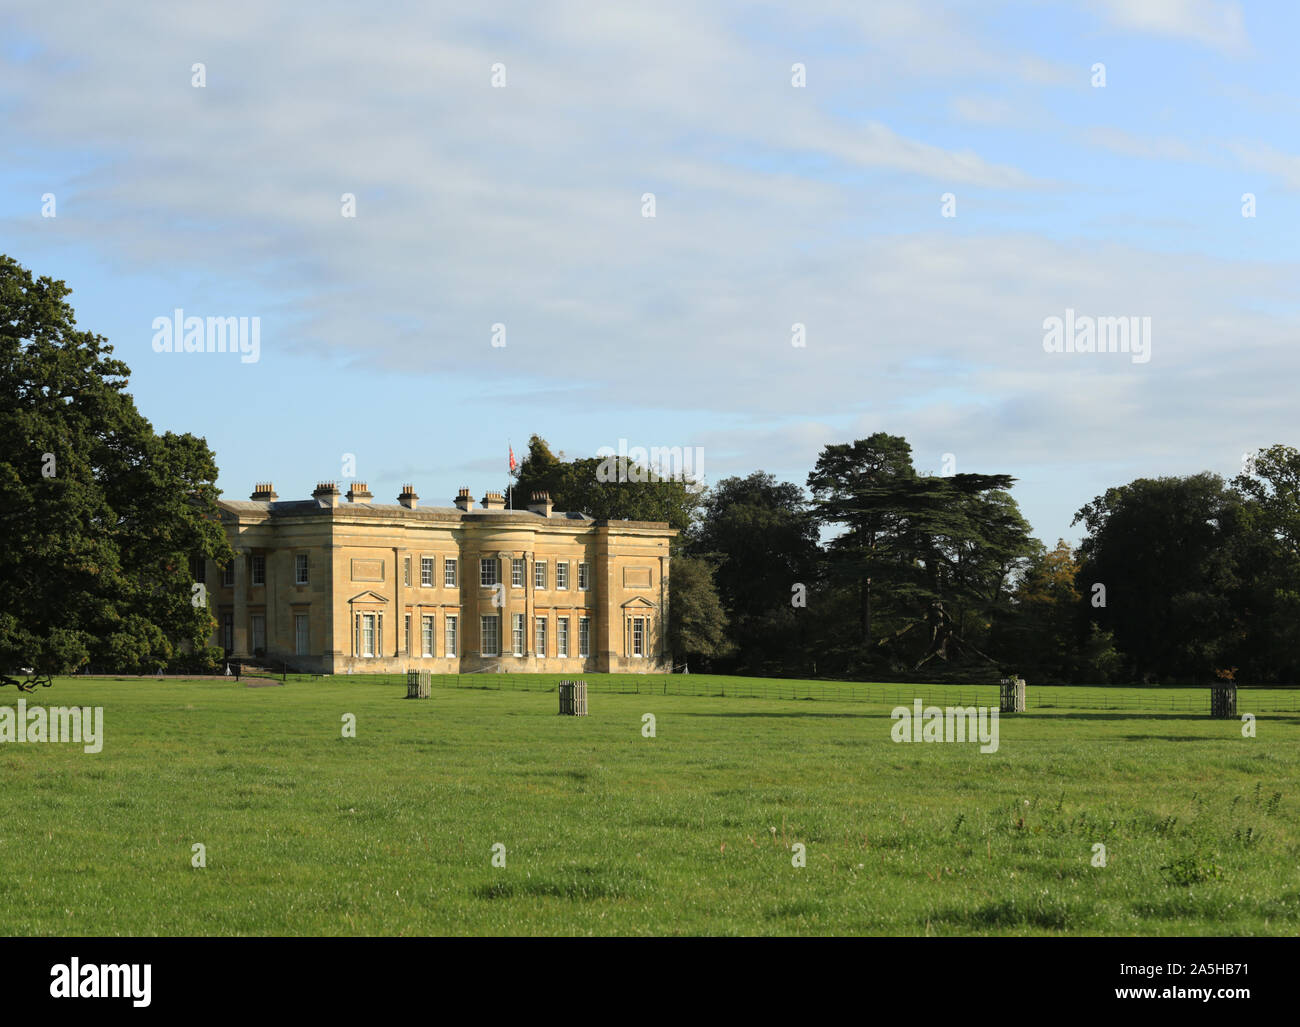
228 573
426 634
487 572
228 632
490 628
541 636
367 634
406 637
426 570
449 646
259 568
584 636
562 637
517 634
198 569
539 574
584 576
301 637
259 633
517 573
300 569
562 574
449 572
638 636
406 571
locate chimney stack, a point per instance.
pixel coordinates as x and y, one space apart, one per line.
263 492
463 500
326 494
494 501
408 498
541 503
359 493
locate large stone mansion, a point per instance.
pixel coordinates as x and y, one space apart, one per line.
336 587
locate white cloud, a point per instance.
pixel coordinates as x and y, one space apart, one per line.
1217 24
1264 158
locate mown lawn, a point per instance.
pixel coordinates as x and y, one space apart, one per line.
608 832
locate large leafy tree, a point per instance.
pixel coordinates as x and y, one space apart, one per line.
853 487
697 624
101 516
762 537
582 484
1269 600
938 550
1168 553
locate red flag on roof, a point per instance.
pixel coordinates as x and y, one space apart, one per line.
513 463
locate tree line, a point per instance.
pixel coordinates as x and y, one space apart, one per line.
873 570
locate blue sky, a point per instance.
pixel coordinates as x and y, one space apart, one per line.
775 205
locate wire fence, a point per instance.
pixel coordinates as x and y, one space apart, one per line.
1122 698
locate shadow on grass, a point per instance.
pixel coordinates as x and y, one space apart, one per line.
802 715
1196 718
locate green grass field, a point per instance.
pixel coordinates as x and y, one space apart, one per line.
608 832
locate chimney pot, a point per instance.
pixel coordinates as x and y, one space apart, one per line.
540 503
408 498
326 494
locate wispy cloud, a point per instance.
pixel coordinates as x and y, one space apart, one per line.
1217 24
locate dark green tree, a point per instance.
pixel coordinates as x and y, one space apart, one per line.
100 515
1167 552
1269 598
939 551
697 624
586 485
853 487
762 538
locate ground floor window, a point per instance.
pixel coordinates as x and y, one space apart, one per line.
449 648
517 634
301 634
490 637
541 636
370 634
584 636
638 636
259 633
562 637
427 636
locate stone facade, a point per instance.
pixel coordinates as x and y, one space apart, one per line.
335 587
